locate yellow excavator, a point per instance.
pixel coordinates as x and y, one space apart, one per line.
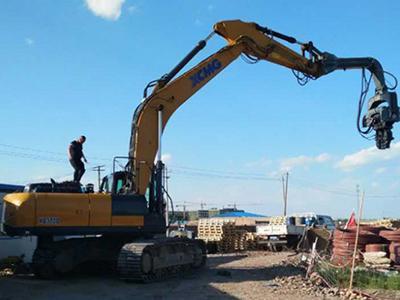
125 222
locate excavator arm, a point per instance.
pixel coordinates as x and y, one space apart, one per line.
257 43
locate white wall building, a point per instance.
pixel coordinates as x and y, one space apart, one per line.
15 246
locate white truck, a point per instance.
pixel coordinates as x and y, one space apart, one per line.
287 231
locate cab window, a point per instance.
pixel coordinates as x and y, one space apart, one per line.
120 184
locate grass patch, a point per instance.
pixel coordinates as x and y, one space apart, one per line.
362 278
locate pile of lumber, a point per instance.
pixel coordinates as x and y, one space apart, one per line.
213 230
227 236
277 220
388 223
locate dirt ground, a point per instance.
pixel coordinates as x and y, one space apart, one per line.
249 276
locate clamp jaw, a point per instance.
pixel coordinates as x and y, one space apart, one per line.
382 112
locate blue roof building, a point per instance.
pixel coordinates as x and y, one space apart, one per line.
240 214
9 188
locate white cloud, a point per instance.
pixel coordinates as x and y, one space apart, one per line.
288 164
324 157
166 158
29 41
107 9
368 156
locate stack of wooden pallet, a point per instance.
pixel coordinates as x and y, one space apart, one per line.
251 239
233 240
212 230
226 235
278 220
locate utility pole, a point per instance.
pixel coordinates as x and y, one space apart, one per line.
99 169
184 209
285 183
358 195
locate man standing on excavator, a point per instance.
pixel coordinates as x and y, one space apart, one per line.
75 155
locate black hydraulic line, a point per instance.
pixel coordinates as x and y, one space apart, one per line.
282 36
167 77
159 200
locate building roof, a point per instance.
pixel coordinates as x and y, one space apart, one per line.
242 214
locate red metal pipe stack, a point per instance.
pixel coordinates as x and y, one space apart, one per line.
344 240
393 237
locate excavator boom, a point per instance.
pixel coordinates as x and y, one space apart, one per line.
257 43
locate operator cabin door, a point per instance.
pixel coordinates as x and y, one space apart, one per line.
62 210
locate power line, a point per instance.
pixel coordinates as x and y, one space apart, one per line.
188 171
221 176
331 191
219 171
35 156
44 151
30 149
338 191
31 156
319 184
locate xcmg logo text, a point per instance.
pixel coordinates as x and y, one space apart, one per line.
205 72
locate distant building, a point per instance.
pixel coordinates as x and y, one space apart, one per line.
238 214
229 210
194 215
190 215
10 188
177 215
213 212
198 214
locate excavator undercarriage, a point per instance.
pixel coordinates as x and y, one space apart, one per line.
142 260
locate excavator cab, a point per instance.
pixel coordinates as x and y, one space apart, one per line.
114 183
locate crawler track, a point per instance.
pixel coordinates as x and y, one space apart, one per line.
43 263
144 261
161 259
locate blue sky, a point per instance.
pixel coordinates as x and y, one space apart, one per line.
77 67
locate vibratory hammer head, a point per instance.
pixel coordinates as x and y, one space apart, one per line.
382 113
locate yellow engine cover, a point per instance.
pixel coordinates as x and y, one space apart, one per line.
33 210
